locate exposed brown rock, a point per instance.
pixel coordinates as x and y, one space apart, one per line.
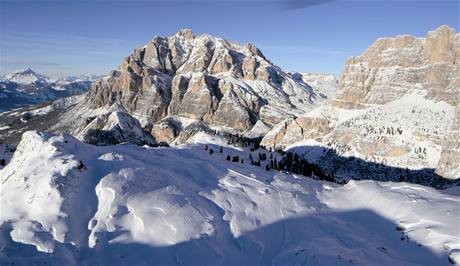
449 164
203 78
391 67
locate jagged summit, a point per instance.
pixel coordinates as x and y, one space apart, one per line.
443 29
204 78
26 70
186 33
25 76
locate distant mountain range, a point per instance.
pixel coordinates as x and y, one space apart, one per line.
26 87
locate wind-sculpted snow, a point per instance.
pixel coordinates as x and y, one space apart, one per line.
130 205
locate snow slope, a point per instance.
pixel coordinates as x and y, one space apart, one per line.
129 205
406 133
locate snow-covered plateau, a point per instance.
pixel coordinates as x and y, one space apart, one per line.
64 202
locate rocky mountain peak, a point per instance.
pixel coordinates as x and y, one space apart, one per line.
204 78
443 30
25 76
393 67
185 33
397 104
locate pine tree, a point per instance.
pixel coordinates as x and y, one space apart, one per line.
211 151
228 157
206 147
81 165
221 150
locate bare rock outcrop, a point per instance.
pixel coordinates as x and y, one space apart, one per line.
392 67
449 164
394 106
166 130
296 130
113 128
203 78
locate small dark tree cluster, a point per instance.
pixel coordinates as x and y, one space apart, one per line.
254 162
290 162
100 137
81 166
239 140
294 163
262 156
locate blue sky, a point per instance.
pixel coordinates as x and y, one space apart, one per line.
73 37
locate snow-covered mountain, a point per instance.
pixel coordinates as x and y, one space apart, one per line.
69 203
204 78
395 106
174 81
187 78
26 87
26 76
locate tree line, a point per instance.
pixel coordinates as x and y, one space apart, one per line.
277 160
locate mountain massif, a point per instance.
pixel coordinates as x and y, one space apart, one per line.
395 105
399 97
172 81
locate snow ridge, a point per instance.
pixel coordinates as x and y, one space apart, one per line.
127 204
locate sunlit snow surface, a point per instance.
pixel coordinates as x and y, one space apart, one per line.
393 134
130 205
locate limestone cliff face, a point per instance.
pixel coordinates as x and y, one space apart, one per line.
395 105
392 67
449 164
203 78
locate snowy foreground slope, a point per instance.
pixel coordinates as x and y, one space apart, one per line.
64 202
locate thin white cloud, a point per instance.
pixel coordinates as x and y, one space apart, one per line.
68 44
58 55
